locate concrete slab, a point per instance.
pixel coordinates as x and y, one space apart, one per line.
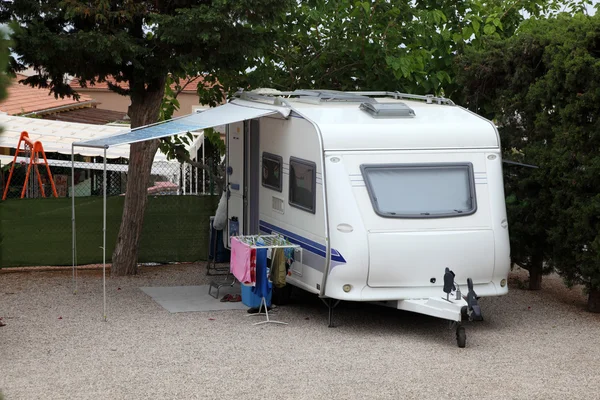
177 299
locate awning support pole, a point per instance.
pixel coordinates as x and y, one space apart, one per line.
74 251
104 238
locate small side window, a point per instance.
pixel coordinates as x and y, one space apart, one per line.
303 177
272 167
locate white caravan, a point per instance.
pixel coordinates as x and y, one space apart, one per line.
393 198
390 198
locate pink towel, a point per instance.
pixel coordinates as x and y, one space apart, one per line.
240 260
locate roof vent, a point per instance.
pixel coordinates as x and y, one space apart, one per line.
388 110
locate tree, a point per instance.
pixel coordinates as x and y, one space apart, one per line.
543 87
385 45
138 44
496 78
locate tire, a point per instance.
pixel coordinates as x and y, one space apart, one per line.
461 337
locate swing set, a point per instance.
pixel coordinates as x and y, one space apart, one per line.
33 151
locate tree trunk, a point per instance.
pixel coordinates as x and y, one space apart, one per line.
144 110
594 301
535 272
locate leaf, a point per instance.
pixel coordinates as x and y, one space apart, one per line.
476 26
366 6
467 32
489 29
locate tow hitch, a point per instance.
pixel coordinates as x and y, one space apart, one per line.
472 311
455 308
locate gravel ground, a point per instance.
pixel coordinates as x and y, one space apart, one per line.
532 345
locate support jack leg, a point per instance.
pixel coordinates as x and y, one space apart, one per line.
331 304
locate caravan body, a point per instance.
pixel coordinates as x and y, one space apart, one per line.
382 192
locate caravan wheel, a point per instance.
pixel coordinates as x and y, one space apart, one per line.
461 337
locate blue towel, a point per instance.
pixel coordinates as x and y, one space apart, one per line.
263 286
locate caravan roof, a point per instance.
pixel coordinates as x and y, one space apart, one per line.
434 123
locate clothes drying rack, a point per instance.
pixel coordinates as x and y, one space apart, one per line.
274 243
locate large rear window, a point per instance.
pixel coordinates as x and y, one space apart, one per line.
421 190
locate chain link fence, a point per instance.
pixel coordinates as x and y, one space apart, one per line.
36 226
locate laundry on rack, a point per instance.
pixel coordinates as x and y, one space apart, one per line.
278 268
252 280
240 265
263 286
247 254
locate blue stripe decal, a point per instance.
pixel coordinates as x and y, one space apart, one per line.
303 242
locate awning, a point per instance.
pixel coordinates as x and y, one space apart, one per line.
235 111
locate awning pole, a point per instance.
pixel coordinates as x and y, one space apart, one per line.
74 252
204 163
104 238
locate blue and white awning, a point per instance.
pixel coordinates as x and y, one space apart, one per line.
226 114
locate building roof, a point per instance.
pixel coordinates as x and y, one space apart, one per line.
190 87
24 99
57 136
91 115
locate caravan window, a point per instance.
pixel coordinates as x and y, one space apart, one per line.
303 176
272 167
421 191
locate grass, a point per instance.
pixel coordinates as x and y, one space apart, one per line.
38 231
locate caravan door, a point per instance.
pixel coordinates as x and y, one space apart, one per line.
235 180
243 167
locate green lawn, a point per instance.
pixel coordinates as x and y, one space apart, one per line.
38 231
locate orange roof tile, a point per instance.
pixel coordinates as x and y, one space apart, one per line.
88 115
189 88
24 99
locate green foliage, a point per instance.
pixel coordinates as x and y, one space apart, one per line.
543 88
170 104
208 90
174 147
4 58
214 137
138 42
385 45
